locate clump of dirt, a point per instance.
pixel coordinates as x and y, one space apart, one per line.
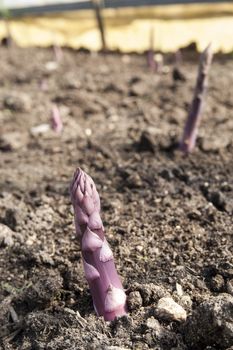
168 218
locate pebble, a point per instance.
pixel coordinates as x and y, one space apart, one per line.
46 258
8 241
168 309
134 300
186 301
13 217
215 144
177 74
40 129
146 142
51 66
152 323
167 174
12 141
151 292
179 290
134 181
229 287
138 89
217 283
218 199
19 102
6 236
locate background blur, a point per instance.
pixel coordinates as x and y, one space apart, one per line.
128 24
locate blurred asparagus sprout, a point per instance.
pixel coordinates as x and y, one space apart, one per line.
58 53
188 140
56 121
150 54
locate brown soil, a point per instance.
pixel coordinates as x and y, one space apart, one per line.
168 218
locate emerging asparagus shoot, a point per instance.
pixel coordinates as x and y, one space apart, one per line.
150 54
154 61
58 53
188 141
108 296
56 122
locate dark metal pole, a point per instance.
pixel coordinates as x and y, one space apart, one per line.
98 5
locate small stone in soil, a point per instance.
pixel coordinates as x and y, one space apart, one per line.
214 144
169 310
134 300
229 287
167 174
134 181
46 258
12 218
6 236
151 292
17 102
146 142
186 301
138 89
12 141
217 283
218 199
178 75
152 323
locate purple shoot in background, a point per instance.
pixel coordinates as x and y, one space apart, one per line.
150 54
178 58
188 141
43 85
58 53
158 57
154 61
108 295
56 122
177 70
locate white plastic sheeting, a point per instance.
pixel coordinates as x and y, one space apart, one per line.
25 3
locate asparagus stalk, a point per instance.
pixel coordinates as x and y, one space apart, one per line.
150 53
188 141
154 61
58 53
56 122
108 295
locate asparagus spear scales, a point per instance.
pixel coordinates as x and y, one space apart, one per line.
108 295
190 131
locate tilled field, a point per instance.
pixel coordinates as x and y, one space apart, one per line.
168 218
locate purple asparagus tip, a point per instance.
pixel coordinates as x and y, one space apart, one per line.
188 141
43 85
178 58
151 60
56 122
108 295
150 54
58 53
